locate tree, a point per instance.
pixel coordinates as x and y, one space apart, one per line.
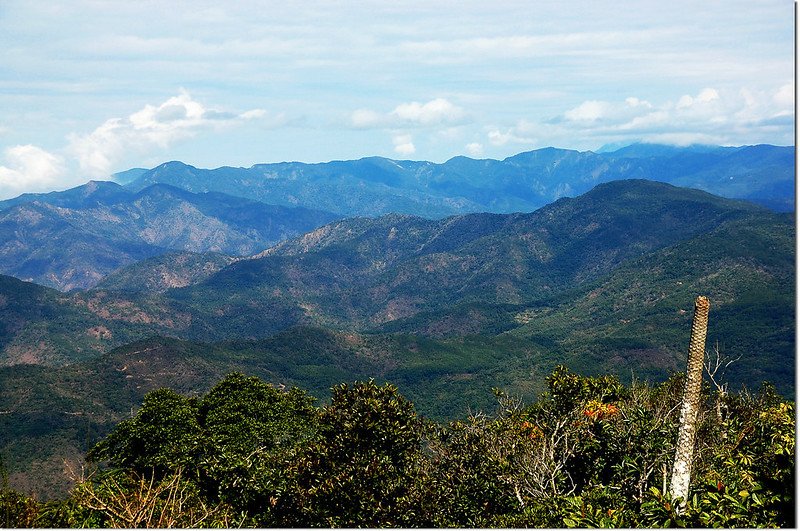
165 435
590 452
362 468
251 429
229 444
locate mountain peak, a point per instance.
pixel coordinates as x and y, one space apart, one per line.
94 186
174 165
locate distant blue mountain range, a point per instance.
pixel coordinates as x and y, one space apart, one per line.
762 174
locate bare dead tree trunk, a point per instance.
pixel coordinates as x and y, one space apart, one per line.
682 466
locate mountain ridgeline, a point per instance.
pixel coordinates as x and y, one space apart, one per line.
590 276
73 239
370 272
375 186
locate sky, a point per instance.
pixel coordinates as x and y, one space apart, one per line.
91 87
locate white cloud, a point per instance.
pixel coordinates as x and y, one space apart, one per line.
321 67
366 119
475 149
685 102
153 127
253 114
29 169
784 96
403 145
588 111
711 116
683 139
651 119
439 115
437 112
519 134
636 102
532 45
707 95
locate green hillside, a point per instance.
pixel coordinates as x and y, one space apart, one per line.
169 270
364 273
51 414
633 242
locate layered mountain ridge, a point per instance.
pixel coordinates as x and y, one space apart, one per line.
475 273
525 182
73 239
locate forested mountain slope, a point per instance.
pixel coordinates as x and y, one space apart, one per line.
591 278
365 273
73 239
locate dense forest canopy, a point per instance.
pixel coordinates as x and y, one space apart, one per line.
590 452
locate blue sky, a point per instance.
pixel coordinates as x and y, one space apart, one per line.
91 87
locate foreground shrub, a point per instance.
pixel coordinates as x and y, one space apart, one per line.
590 452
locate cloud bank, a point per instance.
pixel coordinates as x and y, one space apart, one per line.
436 112
29 168
403 145
98 154
494 80
155 127
438 115
710 116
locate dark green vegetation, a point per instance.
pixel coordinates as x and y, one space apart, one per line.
51 414
170 270
375 186
589 452
615 264
73 239
445 309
